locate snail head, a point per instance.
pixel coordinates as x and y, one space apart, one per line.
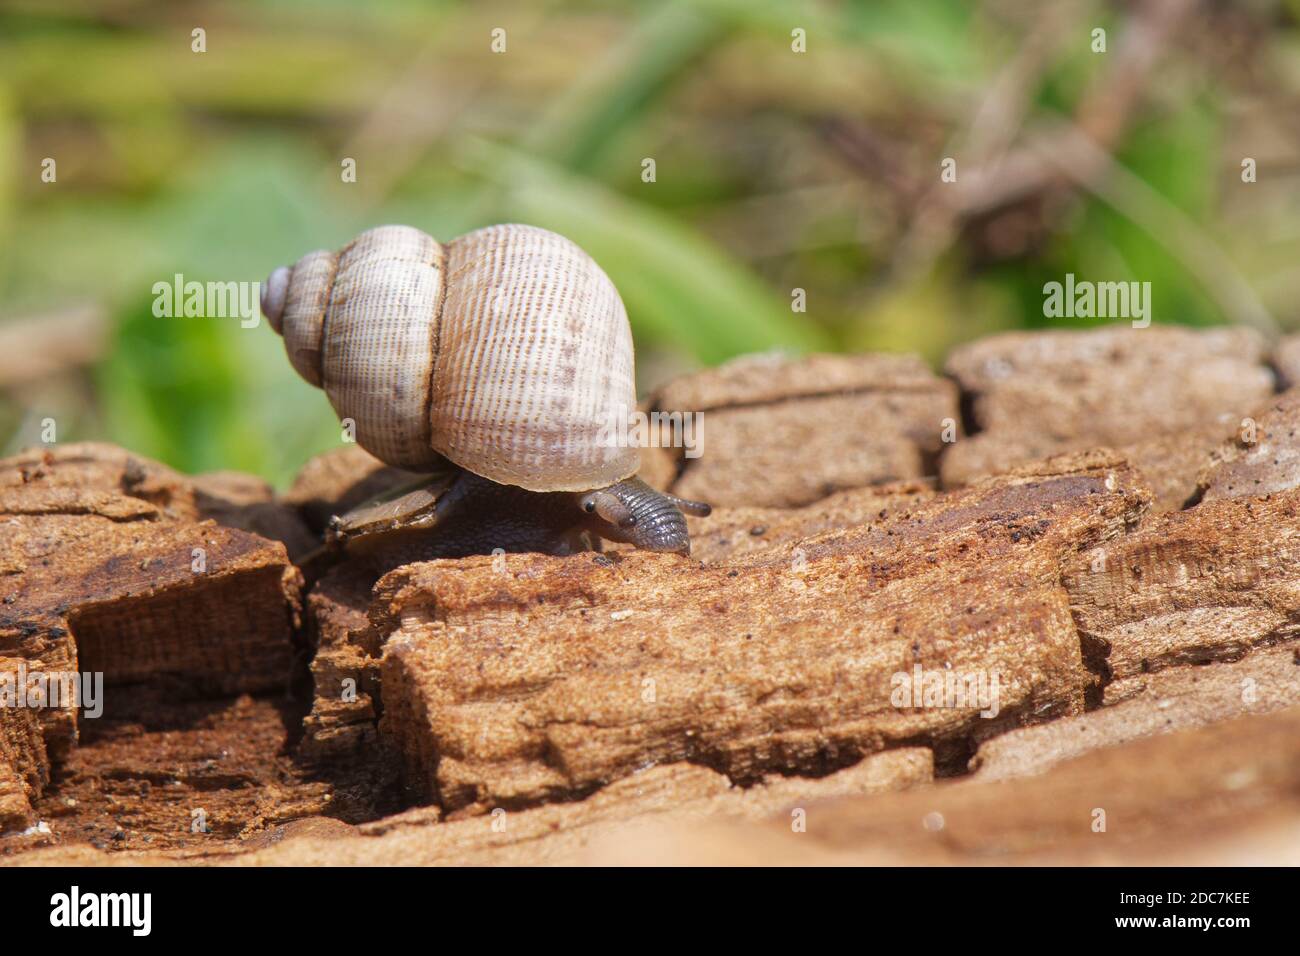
632 512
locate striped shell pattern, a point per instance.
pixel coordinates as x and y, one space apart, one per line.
506 350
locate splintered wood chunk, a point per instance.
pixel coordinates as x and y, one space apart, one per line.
529 681
24 765
1263 454
102 581
343 670
1148 704
1194 586
773 431
1038 393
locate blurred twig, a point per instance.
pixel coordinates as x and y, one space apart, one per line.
404 122
1076 155
997 175
43 346
983 153
1103 113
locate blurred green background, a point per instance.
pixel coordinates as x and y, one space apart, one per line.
775 170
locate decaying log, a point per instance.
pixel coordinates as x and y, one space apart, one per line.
24 765
1262 457
1148 704
1226 794
730 532
1194 586
833 638
781 432
109 570
1034 394
520 679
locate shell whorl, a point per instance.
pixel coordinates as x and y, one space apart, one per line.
508 351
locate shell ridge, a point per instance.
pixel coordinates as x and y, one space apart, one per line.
440 256
504 351
325 316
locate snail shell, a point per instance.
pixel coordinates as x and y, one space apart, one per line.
506 350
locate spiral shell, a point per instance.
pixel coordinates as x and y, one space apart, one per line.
506 350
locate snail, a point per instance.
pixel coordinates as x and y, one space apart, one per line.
494 366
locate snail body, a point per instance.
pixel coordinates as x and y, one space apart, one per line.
495 361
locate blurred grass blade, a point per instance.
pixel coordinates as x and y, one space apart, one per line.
10 156
614 93
680 289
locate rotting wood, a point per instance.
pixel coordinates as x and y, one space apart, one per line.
1262 457
88 477
1225 794
1191 587
1268 679
190 777
780 432
340 737
109 571
557 833
1034 394
730 532
1171 464
777 656
512 682
24 765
